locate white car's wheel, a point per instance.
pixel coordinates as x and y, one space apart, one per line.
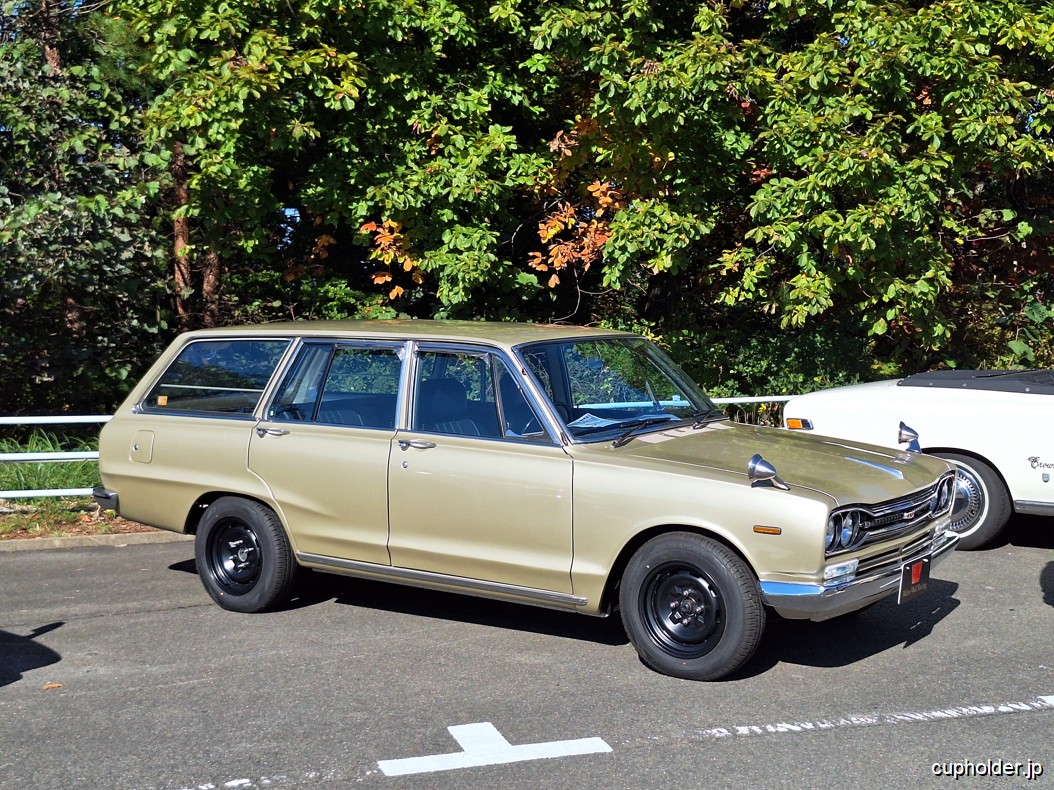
982 505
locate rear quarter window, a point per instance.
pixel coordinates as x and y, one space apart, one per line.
217 377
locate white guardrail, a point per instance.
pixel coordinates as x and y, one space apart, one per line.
93 455
86 455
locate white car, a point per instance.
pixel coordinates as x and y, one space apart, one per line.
997 426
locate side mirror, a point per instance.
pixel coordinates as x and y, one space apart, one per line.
761 471
907 436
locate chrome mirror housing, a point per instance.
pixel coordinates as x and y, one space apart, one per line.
909 437
761 471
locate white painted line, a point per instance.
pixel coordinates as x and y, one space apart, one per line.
876 720
484 745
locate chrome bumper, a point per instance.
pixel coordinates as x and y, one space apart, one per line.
803 601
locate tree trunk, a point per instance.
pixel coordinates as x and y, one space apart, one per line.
210 288
181 280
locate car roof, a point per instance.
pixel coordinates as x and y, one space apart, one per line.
499 333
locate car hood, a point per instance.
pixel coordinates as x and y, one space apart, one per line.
846 471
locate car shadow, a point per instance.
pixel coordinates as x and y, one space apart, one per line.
1031 532
853 637
314 588
186 566
832 643
20 654
1046 583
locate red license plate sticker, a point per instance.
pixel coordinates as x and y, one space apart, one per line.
914 578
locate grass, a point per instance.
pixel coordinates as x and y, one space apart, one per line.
51 517
16 476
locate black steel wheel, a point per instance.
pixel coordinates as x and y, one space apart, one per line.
982 504
691 607
243 556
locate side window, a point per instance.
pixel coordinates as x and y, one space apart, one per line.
472 395
518 418
217 377
361 388
297 398
454 394
341 385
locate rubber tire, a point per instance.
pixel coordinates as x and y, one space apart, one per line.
718 580
261 578
977 480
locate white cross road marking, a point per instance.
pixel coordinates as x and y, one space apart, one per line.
484 745
874 720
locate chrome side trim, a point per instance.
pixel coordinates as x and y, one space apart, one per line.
442 581
1031 508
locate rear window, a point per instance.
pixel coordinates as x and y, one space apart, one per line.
217 377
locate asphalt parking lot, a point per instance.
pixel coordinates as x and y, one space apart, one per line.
117 671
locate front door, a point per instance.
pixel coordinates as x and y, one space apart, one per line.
478 488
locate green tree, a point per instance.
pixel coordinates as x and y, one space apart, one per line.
82 298
851 173
905 157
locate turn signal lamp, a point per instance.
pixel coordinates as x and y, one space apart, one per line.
799 424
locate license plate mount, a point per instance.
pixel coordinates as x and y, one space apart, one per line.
914 578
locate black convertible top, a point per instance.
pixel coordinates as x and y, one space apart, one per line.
1036 382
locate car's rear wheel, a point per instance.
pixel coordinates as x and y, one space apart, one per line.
982 504
243 556
691 607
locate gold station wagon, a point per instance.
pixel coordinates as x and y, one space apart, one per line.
565 467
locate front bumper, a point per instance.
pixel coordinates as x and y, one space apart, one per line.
803 601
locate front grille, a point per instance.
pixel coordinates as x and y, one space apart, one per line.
894 558
896 518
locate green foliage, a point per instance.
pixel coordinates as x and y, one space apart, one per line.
787 194
80 265
905 146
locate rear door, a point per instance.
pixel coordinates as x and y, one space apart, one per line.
323 448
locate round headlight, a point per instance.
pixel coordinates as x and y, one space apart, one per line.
850 529
834 526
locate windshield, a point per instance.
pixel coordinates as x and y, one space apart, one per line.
602 388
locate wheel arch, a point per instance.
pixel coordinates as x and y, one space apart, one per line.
197 510
938 449
609 598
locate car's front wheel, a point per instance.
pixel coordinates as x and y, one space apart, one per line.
691 606
243 556
982 504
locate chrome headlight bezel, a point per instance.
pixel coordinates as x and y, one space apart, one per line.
844 529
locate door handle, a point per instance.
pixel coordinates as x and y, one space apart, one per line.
417 444
262 432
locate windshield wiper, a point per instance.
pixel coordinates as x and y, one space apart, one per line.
636 426
703 418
